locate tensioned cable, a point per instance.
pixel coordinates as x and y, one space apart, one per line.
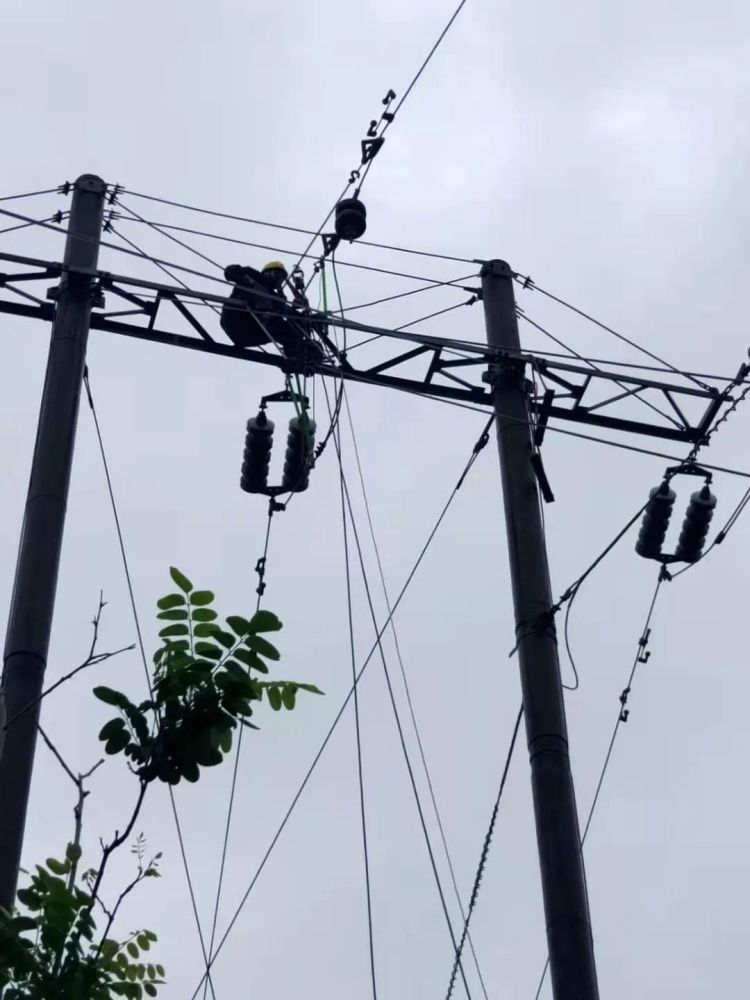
355 687
30 194
409 700
527 283
593 366
388 122
142 648
467 468
397 718
621 717
162 226
235 769
414 81
295 229
386 671
485 853
57 217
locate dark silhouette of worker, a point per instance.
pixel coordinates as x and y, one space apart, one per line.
266 316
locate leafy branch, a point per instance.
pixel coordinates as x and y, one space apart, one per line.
204 686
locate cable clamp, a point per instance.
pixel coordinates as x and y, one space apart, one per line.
624 712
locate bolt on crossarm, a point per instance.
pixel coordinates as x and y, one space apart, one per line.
33 600
569 938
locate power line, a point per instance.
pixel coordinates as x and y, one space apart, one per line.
529 284
412 291
235 770
412 573
414 81
593 366
407 690
30 194
622 716
485 852
297 229
389 119
158 229
396 716
357 730
161 226
142 649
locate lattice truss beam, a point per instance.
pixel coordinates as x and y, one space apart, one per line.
458 370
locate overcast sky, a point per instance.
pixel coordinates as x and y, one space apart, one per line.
601 148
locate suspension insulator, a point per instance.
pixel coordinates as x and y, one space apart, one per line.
257 456
351 219
300 448
698 516
655 522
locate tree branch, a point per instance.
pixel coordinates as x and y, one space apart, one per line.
93 659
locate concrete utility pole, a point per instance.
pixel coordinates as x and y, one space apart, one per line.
33 600
569 940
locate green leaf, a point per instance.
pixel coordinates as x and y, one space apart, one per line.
204 615
182 581
199 598
177 615
190 770
209 650
150 989
226 639
170 630
289 696
205 629
225 741
110 729
262 646
117 742
109 949
22 924
251 660
274 698
29 898
133 947
143 942
239 625
58 867
310 687
264 621
110 697
160 969
73 852
170 601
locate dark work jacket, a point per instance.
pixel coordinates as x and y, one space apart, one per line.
252 287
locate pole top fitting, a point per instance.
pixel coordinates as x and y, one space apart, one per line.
90 182
497 269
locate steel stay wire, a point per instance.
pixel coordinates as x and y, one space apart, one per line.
235 770
399 726
345 494
388 122
295 229
409 700
527 283
484 854
162 226
30 194
412 573
142 649
355 688
615 731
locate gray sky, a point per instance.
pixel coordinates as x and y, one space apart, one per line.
602 149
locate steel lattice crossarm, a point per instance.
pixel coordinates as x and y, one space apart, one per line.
435 367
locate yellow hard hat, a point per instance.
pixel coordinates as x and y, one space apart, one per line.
274 265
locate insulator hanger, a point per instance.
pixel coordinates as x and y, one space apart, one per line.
300 448
658 513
